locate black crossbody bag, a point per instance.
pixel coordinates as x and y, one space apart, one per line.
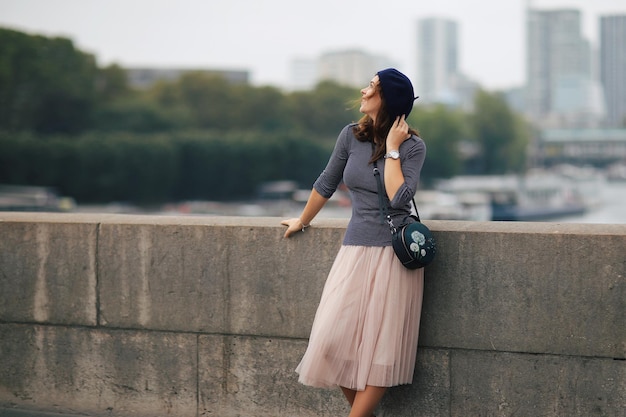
413 242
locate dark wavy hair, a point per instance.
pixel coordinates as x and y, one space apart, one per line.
366 130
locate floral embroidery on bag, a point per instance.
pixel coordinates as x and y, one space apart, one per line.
418 241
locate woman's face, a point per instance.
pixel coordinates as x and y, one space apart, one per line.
370 98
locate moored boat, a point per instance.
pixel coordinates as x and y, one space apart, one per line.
522 198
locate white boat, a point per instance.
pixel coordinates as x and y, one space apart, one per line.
439 205
33 198
616 172
521 198
587 181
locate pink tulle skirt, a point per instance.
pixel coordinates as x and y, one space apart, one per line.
367 323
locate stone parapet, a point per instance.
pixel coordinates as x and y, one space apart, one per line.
126 315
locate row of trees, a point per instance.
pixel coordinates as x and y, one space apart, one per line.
66 122
46 84
156 168
50 87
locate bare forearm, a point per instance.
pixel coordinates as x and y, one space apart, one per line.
313 206
393 177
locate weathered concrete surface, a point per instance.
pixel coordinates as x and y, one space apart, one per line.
47 272
429 394
232 370
510 384
196 316
225 278
96 371
528 287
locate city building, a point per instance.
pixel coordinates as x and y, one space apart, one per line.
303 74
598 147
146 77
561 90
437 60
613 67
352 67
438 78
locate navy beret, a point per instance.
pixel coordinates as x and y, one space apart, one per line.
397 91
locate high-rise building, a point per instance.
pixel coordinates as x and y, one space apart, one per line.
613 67
437 61
147 77
561 90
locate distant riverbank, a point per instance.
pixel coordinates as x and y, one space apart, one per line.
611 209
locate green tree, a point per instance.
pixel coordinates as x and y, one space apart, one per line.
211 102
45 84
325 110
260 108
442 129
112 84
136 114
499 133
209 99
232 165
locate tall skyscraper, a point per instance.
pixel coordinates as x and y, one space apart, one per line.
613 67
561 90
437 60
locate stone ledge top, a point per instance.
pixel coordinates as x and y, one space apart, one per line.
165 220
440 226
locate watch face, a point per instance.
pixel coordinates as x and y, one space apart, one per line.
394 154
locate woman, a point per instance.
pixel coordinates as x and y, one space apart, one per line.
364 336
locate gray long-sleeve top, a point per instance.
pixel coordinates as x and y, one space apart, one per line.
350 162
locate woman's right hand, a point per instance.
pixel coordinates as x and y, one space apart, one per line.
293 226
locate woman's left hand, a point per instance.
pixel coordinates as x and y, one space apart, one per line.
293 226
398 133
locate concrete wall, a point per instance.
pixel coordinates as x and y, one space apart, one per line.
113 315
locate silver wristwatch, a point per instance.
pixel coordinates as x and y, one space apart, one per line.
392 154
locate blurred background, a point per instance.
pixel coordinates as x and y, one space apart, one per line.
232 108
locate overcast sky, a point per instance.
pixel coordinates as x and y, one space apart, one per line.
263 36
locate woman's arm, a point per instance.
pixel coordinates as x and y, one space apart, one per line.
326 183
394 178
313 206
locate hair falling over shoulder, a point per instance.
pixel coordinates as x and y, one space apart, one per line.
369 131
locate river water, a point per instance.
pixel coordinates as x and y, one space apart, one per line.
611 209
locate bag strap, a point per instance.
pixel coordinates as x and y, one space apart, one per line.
384 214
